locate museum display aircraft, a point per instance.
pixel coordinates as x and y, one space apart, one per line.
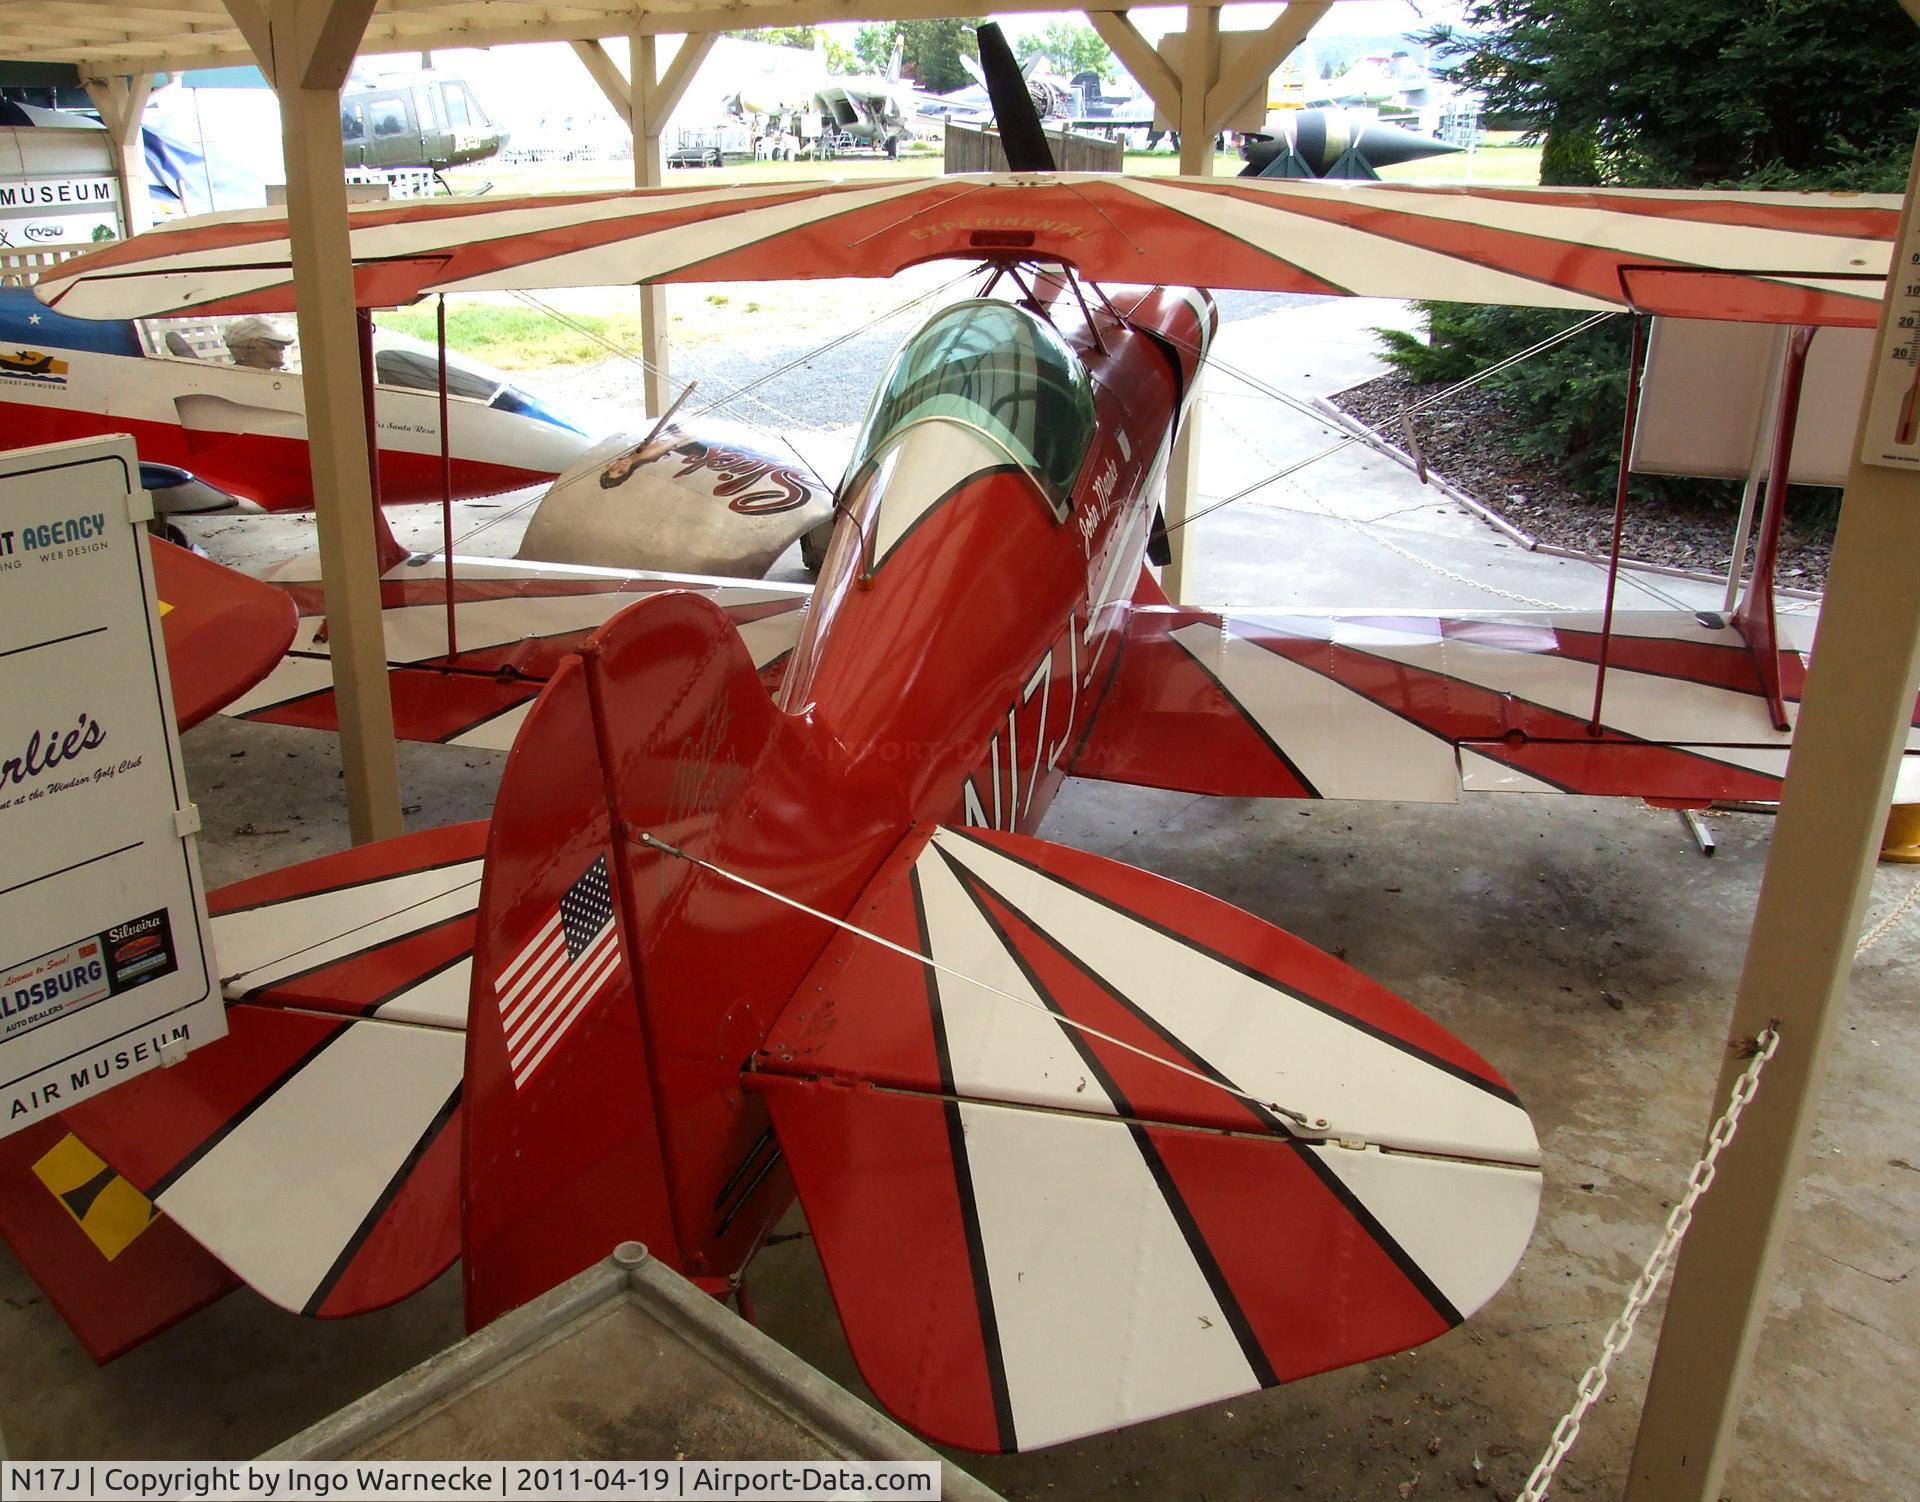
217 411
1079 1146
216 408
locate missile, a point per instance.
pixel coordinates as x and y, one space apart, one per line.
1328 142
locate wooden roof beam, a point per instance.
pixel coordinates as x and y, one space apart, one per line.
1137 55
1267 51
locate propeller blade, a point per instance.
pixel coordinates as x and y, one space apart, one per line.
1021 133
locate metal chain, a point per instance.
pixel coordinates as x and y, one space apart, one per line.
1879 930
1621 1331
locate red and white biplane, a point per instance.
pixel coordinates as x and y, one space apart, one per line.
1079 1146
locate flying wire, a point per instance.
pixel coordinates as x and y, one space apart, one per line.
734 391
1316 1125
1288 400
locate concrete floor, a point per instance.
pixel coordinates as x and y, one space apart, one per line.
1583 946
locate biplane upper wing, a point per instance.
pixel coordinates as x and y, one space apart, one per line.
1416 707
1051 1175
1771 257
515 621
315 1149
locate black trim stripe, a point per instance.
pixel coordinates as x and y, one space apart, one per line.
371 1220
265 991
1186 941
1197 1246
1397 1254
1624 738
1253 724
226 1128
532 687
359 881
1367 1221
372 1007
963 1184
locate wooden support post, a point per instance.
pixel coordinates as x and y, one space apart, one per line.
1255 64
122 103
1853 723
305 47
1198 63
644 99
649 171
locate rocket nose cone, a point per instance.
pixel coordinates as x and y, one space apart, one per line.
1389 145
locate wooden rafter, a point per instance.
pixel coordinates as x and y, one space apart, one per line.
172 35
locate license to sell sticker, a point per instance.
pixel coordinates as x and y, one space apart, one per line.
63 981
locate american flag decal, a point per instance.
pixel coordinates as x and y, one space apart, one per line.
546 986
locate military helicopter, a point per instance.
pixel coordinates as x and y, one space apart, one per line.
425 119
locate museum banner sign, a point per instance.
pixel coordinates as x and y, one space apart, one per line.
105 965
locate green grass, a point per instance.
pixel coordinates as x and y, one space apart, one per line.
519 338
1499 166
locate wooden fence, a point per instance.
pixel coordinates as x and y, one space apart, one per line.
973 149
22 268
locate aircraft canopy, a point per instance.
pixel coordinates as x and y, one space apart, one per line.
1000 370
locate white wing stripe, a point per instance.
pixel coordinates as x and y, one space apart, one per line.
1088 1269
1425 1205
1343 743
258 945
319 1151
995 1049
1258 1035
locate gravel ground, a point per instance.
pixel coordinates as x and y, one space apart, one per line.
1469 440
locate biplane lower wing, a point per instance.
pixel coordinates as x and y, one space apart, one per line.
1418 707
314 1150
1061 1194
514 622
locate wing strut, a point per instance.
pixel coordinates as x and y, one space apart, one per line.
1755 618
387 546
1636 359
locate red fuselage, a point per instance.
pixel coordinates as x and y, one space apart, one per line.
965 662
966 624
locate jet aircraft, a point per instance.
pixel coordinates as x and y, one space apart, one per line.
1048 1115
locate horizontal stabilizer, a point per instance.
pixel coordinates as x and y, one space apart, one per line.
117 1271
315 1150
1415 707
1126 1150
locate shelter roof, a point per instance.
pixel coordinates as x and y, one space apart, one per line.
113 36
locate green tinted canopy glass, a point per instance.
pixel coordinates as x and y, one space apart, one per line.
1000 370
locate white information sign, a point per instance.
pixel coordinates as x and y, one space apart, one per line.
106 969
1892 433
